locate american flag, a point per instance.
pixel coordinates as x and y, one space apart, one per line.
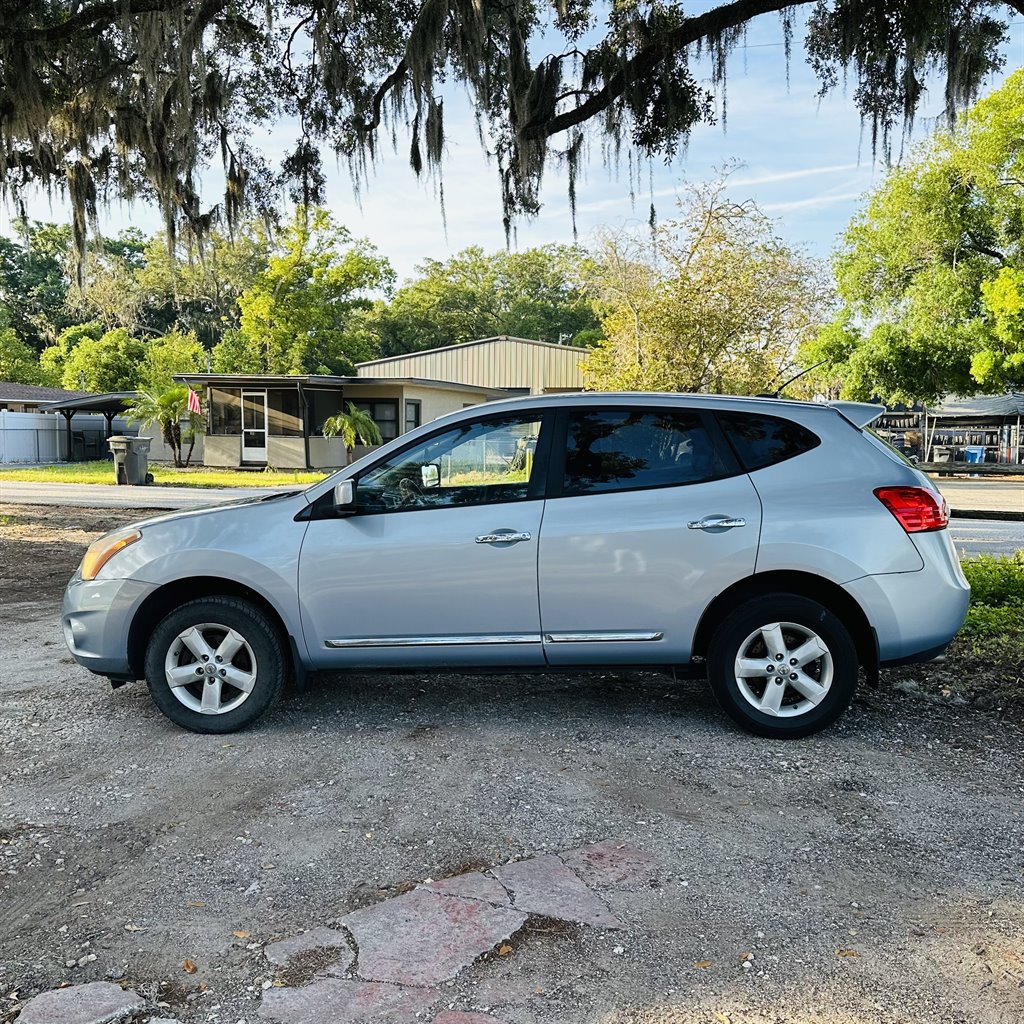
193 402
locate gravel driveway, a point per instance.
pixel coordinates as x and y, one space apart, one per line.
870 874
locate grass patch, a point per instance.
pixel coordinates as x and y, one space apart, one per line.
985 663
102 472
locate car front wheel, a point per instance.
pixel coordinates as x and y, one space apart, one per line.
215 664
782 666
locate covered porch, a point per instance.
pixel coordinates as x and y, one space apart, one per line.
264 420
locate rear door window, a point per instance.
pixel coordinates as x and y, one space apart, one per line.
630 449
762 441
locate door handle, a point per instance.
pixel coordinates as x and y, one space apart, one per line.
715 523
503 537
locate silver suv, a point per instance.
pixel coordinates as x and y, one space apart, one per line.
776 547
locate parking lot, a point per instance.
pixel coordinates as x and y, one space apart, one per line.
868 875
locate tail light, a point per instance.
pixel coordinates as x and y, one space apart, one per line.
918 509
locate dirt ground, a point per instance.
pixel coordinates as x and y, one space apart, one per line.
869 875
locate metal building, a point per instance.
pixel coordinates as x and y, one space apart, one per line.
517 364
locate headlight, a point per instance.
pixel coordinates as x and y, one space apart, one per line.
103 550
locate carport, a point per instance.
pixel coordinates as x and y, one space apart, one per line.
109 404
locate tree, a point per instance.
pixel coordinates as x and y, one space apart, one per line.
201 286
131 97
539 293
296 317
112 362
175 352
354 426
18 363
34 282
167 409
715 302
931 272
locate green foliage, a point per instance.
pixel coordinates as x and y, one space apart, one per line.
540 293
996 580
931 273
18 363
167 409
296 317
355 426
125 98
201 287
715 302
175 352
112 362
33 282
995 618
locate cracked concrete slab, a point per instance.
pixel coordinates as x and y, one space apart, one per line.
473 885
423 938
610 863
339 1001
545 886
279 953
99 1002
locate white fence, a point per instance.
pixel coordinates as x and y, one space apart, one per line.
34 437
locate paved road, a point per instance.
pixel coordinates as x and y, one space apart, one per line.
988 493
111 496
986 536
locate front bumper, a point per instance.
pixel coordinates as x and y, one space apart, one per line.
96 618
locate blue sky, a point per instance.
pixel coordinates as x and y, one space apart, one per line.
807 162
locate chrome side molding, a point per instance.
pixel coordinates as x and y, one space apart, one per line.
434 641
628 636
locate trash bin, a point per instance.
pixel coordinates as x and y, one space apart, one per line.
974 453
131 458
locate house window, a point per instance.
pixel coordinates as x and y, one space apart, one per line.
322 406
225 411
283 419
412 414
383 412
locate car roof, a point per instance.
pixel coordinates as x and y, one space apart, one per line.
762 403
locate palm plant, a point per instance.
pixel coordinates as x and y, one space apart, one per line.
354 425
167 409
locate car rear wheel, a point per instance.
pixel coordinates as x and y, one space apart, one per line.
782 666
215 664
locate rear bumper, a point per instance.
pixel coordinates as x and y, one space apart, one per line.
916 614
96 617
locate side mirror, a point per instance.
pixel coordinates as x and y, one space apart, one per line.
345 497
430 475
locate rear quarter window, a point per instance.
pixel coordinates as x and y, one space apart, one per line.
761 441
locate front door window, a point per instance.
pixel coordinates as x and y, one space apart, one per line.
480 463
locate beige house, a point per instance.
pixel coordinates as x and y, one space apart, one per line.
277 420
515 364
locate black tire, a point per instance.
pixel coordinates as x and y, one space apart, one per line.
735 632
264 658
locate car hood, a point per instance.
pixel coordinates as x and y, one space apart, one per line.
297 496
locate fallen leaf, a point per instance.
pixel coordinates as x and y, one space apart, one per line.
847 952
745 955
703 963
721 1018
203 987
279 984
241 935
190 967
504 950
197 903
133 928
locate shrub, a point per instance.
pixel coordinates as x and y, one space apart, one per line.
996 580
